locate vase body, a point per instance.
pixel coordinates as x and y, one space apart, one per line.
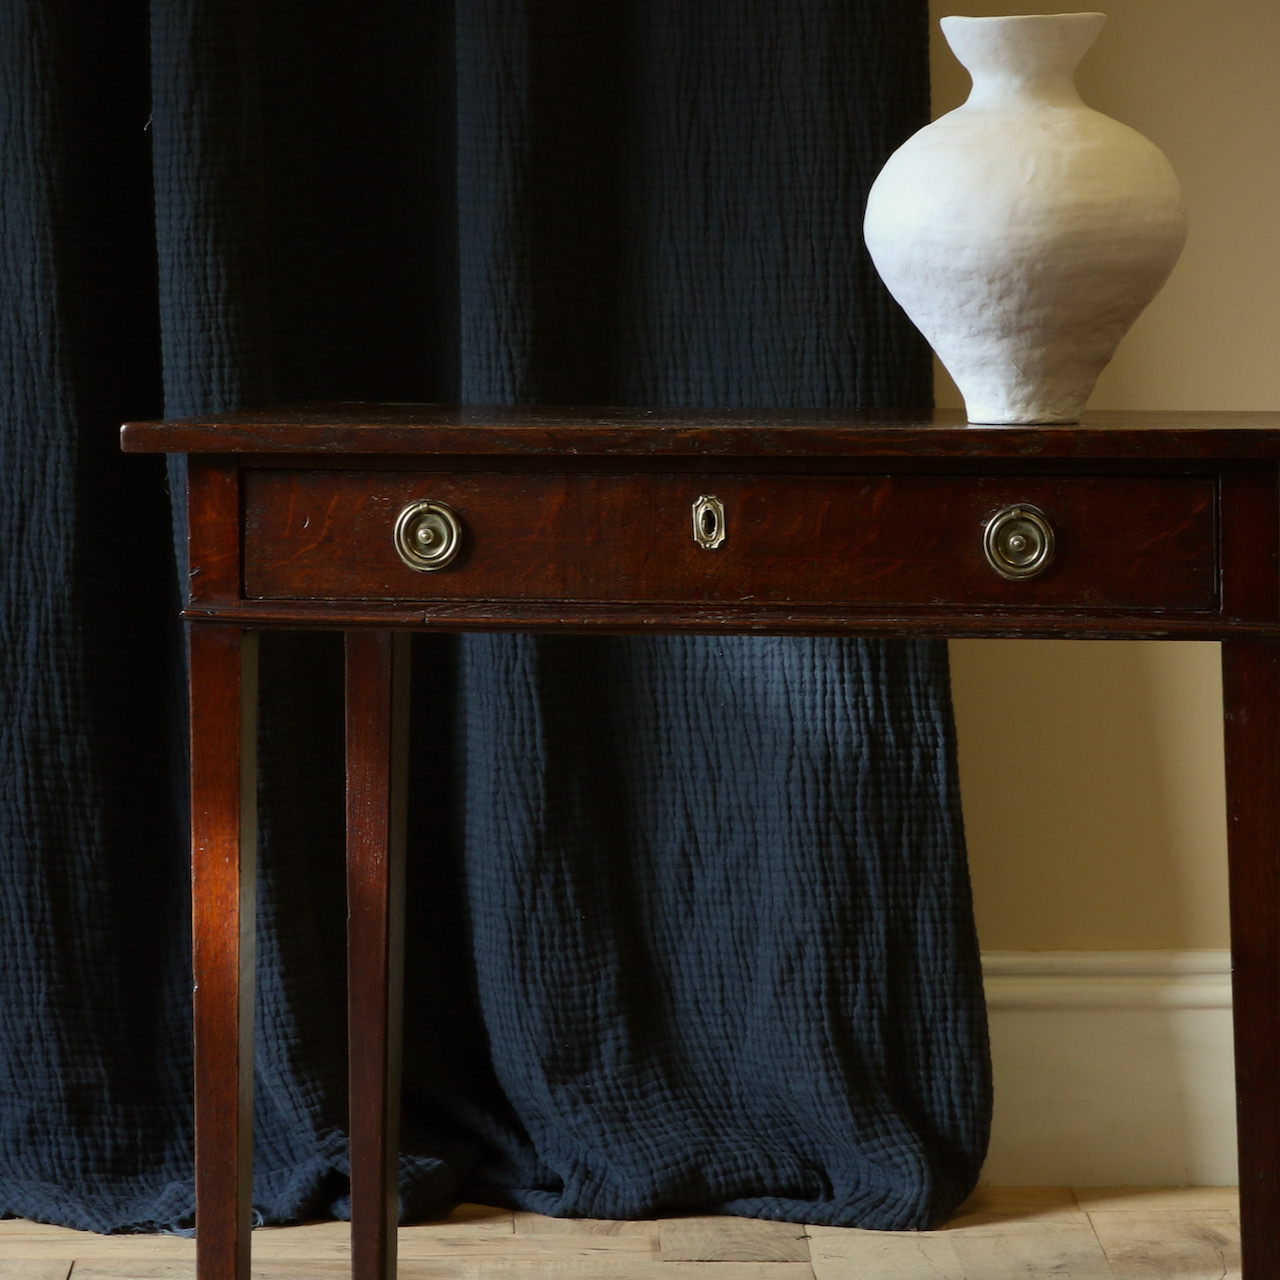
1023 233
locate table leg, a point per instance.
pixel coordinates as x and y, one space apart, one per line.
377 681
1251 705
223 842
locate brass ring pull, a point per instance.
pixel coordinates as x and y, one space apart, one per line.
1018 542
428 536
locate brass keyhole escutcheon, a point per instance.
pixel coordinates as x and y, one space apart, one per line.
708 522
1018 542
427 535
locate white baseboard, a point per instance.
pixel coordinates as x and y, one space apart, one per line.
1112 1068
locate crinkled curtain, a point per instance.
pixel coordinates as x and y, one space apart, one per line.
689 924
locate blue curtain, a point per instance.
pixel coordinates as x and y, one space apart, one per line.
689 920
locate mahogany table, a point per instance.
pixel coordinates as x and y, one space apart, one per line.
380 520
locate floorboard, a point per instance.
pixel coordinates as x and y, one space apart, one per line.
1081 1233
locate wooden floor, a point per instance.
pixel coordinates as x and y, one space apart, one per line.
1082 1234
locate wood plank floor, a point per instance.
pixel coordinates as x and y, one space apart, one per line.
1081 1233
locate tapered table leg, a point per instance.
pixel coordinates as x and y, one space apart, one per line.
223 837
377 677
1251 703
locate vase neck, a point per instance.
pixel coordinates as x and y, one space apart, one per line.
994 92
1023 61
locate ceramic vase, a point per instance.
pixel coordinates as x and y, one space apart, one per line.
1024 232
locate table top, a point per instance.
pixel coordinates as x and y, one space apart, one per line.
349 427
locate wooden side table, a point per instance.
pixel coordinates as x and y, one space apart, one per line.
380 520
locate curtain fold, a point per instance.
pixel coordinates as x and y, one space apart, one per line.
689 924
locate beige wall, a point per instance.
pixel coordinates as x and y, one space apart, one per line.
1091 772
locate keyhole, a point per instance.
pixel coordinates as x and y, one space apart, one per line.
708 522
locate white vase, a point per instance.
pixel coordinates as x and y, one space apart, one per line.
1024 232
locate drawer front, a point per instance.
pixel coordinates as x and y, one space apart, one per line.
1124 542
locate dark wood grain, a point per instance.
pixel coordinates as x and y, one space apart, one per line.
1122 542
776 620
1251 705
1250 556
578 431
775 464
213 529
377 682
223 834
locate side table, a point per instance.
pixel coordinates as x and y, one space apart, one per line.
381 520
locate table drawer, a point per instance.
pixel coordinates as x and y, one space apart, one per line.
1125 542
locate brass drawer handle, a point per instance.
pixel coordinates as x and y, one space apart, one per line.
428 535
1018 542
